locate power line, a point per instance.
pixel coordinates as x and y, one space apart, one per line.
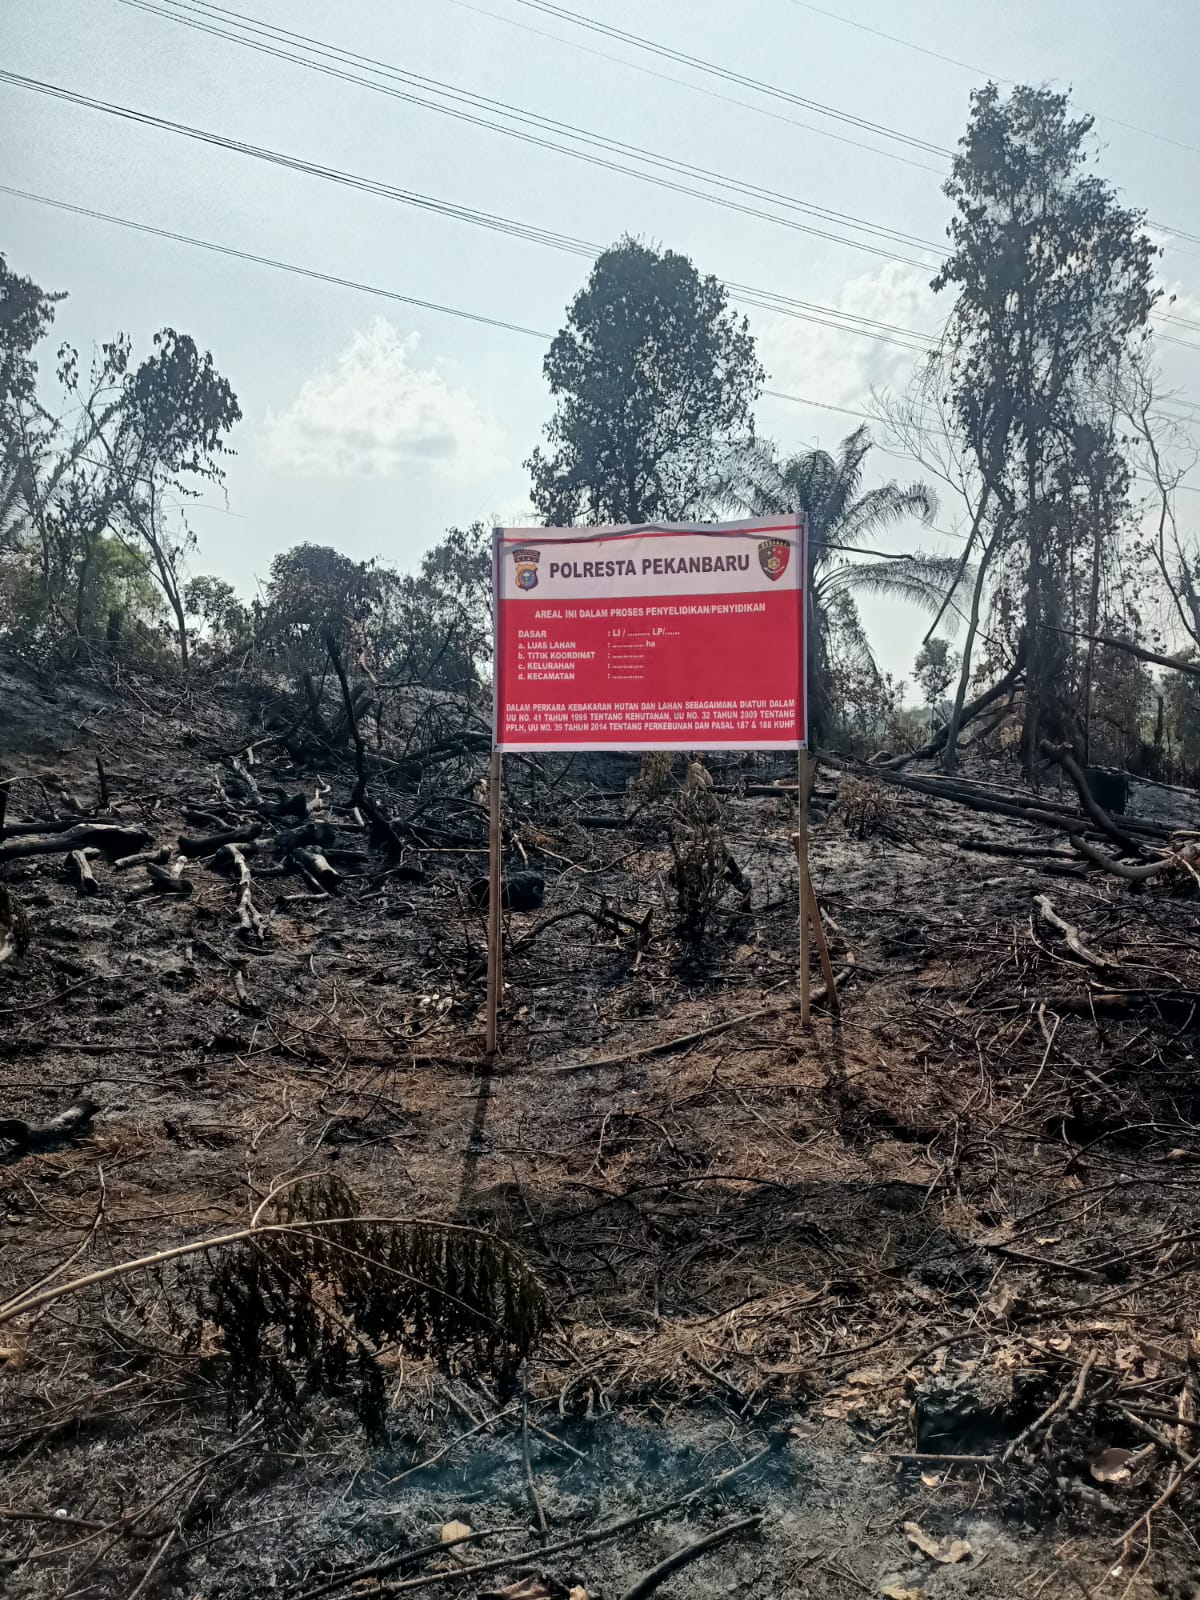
763 299
981 72
773 90
696 88
745 79
916 427
352 283
280 266
426 305
204 8
460 98
206 13
209 8
340 281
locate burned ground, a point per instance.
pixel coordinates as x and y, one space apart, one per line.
936 1257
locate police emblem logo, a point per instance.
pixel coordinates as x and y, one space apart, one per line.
773 557
527 567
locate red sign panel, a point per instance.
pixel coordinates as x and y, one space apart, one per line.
665 636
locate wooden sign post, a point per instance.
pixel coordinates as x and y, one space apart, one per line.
803 784
810 911
495 924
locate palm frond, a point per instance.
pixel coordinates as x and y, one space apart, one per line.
922 578
882 508
751 480
852 453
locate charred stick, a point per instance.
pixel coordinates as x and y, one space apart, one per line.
170 880
107 838
580 1540
293 807
1073 936
650 1581
985 800
18 830
318 869
248 781
684 1040
211 843
307 834
1164 1498
230 856
79 870
991 847
77 1118
144 858
313 697
1134 872
359 796
206 819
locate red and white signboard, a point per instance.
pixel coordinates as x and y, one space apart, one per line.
664 636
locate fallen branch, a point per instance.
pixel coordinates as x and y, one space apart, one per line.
1117 1001
606 918
170 880
1072 935
307 834
958 793
17 830
316 868
582 1540
1191 668
208 844
1164 1498
79 871
1134 872
969 712
1087 800
144 858
650 1581
107 838
919 1458
684 1040
77 1118
251 923
990 847
247 779
379 1569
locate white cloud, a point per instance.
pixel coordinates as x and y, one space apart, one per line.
374 414
838 367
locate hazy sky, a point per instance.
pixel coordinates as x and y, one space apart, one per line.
373 425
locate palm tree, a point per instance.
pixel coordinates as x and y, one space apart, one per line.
841 520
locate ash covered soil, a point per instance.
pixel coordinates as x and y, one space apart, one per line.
906 1304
